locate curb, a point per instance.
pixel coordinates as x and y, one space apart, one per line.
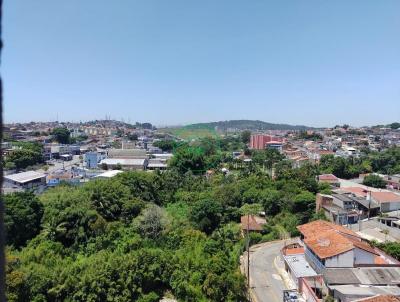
285 277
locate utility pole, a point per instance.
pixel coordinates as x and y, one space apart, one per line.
369 197
248 253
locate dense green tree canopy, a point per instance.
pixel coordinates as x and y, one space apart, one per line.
26 154
189 159
245 136
108 240
167 145
24 158
206 215
61 135
395 125
22 217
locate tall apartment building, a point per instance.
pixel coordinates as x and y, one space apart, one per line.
260 141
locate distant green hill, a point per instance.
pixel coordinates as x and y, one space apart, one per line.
246 125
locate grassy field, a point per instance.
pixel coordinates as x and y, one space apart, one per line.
189 133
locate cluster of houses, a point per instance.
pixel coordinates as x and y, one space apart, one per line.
336 258
341 142
91 165
103 146
350 201
331 260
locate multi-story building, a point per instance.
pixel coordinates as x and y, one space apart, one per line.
260 141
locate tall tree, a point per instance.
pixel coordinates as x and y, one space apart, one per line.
61 135
246 136
206 215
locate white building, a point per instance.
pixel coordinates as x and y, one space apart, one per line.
25 180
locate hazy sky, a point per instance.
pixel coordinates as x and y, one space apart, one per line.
171 62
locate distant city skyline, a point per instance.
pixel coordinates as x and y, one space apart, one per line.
311 63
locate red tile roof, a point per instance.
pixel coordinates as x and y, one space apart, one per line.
332 243
326 239
362 245
294 251
314 228
356 190
329 177
328 244
325 152
385 197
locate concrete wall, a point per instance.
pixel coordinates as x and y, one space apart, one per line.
342 260
338 203
321 200
306 291
315 263
363 257
91 159
393 206
390 206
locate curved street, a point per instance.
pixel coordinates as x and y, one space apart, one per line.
266 284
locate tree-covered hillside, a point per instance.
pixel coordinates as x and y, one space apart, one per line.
248 125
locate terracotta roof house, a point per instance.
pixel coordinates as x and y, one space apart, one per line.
328 178
314 228
333 246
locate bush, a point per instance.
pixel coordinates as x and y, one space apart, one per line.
374 181
255 238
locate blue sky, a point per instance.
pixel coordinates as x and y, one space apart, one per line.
317 63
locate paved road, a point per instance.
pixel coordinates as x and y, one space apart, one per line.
59 165
265 282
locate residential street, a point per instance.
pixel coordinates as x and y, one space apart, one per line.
59 165
265 281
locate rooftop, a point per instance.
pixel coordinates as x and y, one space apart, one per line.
330 243
327 239
378 195
157 165
299 266
127 153
25 177
329 177
110 173
342 197
382 293
314 228
385 197
363 275
380 298
124 161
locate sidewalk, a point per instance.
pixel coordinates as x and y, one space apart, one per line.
280 267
